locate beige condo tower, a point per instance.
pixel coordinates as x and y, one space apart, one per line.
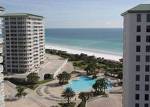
136 57
1 67
24 46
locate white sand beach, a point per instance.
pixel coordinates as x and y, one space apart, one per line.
79 51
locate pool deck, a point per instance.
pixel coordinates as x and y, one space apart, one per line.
49 94
114 100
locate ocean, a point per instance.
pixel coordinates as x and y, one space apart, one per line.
109 41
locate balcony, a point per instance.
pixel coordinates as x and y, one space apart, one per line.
1 78
1 68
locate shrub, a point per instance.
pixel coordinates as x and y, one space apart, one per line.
33 78
17 81
48 76
64 77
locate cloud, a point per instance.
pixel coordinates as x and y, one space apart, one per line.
84 24
74 13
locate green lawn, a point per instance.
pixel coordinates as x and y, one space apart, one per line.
34 86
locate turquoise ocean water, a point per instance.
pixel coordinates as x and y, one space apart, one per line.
95 40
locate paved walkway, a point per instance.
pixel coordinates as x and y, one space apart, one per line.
59 70
50 92
55 65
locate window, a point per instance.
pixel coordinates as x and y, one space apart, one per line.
137 96
146 105
138 48
148 28
137 58
146 97
138 29
147 68
138 17
146 87
137 77
148 38
137 87
148 48
146 77
148 17
137 67
137 105
147 58
138 38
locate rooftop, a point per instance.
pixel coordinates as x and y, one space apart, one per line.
2 8
144 8
20 14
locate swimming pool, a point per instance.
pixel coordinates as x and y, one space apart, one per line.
83 84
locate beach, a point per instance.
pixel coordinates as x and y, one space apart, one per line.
106 43
79 51
105 55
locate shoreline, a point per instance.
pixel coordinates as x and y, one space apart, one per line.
104 55
79 51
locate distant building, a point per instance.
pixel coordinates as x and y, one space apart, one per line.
1 68
24 46
136 57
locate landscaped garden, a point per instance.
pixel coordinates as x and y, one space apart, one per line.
93 66
31 81
87 85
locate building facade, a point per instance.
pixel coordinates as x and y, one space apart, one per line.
24 46
136 57
1 66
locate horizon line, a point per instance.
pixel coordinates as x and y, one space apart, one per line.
85 28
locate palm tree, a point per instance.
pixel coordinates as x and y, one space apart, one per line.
94 73
84 96
68 94
104 84
75 66
100 85
90 69
87 69
64 77
20 92
120 75
60 77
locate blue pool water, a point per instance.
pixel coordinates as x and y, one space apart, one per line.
83 84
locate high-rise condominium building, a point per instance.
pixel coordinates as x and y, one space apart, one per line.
23 42
136 57
1 68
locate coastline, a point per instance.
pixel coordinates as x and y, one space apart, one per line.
105 55
79 51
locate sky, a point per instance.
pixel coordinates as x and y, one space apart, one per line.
74 13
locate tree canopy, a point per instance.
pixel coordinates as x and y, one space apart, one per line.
68 94
33 78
